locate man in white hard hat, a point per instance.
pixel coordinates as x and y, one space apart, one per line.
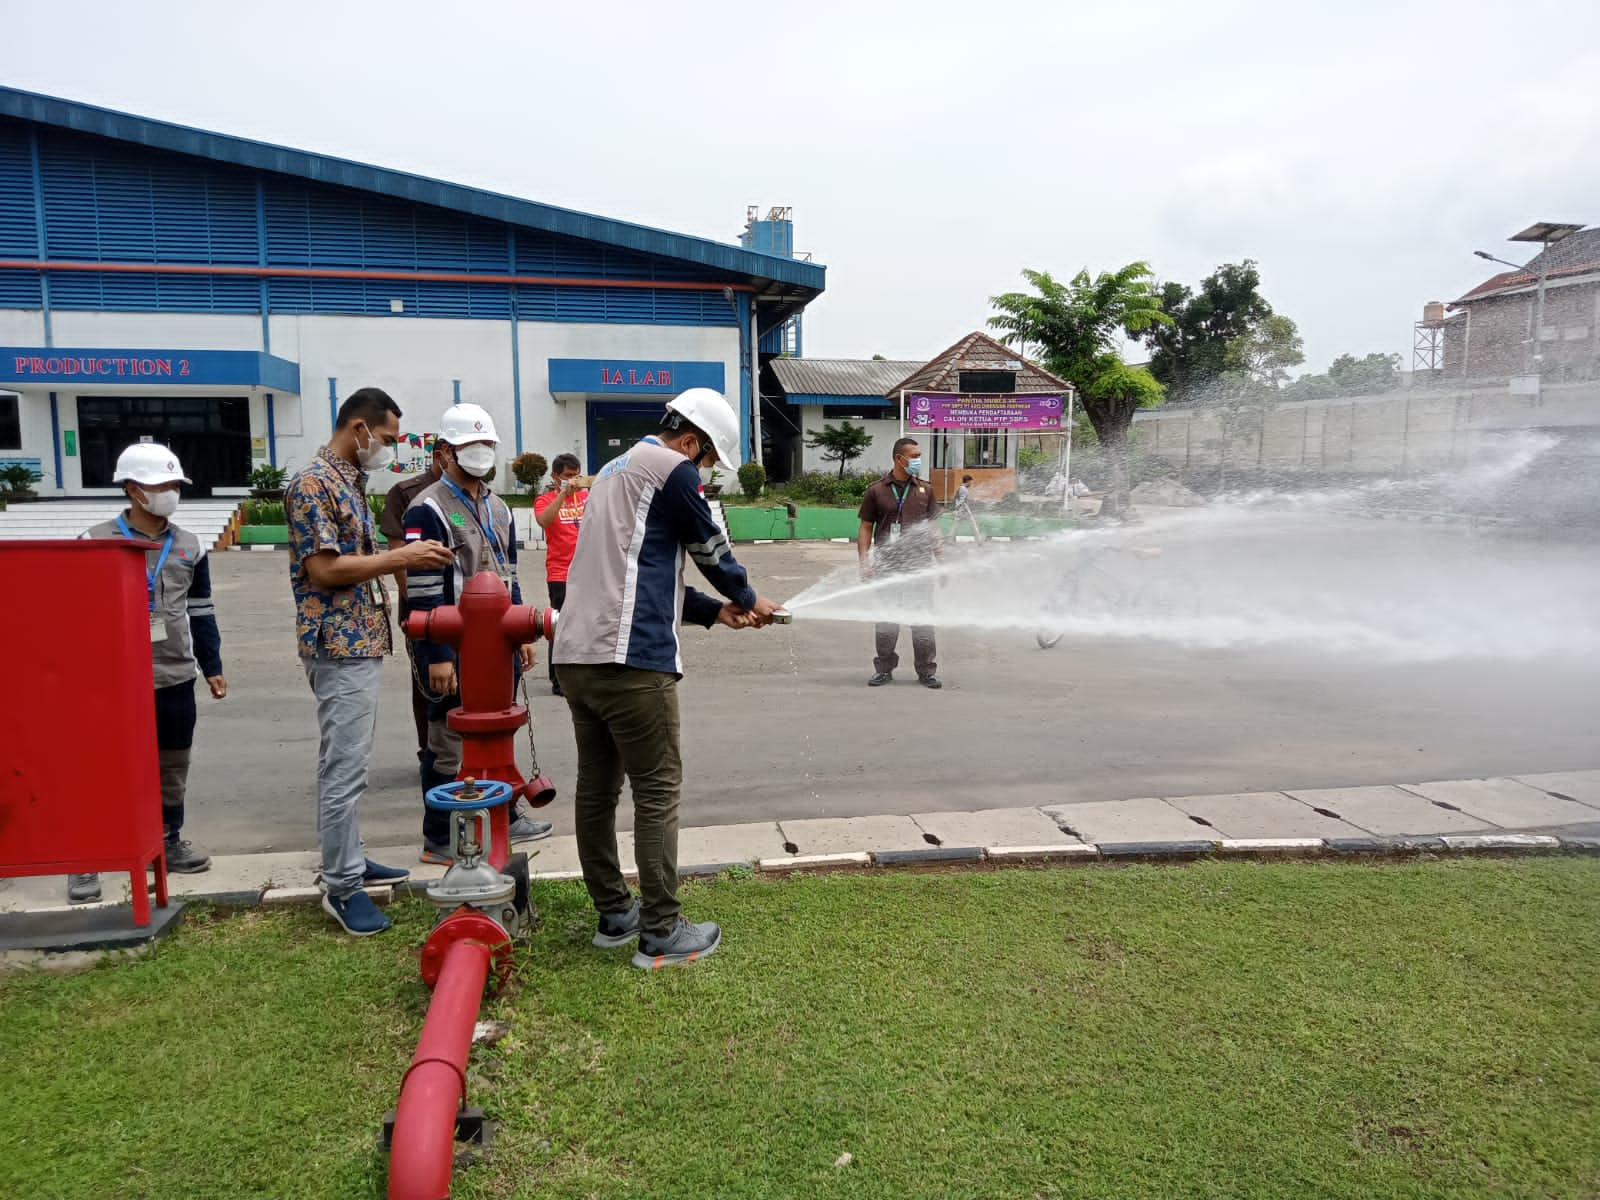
184 639
461 512
617 657
392 525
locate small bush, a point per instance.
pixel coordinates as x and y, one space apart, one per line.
529 468
826 488
264 512
376 504
752 478
267 478
17 478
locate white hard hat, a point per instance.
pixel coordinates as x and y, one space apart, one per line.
466 423
706 409
149 462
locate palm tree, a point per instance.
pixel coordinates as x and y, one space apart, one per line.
1078 328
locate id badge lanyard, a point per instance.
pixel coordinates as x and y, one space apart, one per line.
151 577
899 507
501 567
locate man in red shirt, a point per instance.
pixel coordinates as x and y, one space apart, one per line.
559 512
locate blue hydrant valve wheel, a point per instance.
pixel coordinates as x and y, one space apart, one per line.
468 795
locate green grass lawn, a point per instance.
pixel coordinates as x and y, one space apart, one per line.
1297 1030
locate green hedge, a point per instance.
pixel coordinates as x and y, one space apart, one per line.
746 524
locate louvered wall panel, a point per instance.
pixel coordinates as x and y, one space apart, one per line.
71 219
107 201
19 233
20 289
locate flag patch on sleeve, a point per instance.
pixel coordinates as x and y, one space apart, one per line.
414 535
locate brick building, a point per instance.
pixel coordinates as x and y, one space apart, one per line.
1490 335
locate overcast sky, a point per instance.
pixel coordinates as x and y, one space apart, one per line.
1358 151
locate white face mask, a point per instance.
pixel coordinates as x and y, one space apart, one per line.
159 504
374 456
477 460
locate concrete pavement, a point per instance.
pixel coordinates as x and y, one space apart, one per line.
779 725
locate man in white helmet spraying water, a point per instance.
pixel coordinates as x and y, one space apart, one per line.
459 511
617 657
184 638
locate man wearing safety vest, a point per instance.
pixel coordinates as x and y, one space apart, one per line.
459 511
184 638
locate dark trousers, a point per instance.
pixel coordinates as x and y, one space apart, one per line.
924 650
626 723
441 760
558 597
175 721
915 598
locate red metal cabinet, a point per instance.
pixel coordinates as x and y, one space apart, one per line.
79 789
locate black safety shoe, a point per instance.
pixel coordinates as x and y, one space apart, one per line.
881 678
184 859
929 681
617 928
683 943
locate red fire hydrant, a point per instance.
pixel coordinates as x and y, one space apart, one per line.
483 896
486 628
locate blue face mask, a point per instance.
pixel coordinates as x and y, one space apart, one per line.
914 467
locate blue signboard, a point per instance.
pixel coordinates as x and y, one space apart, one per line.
632 377
181 368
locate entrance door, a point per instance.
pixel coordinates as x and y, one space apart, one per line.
613 427
209 434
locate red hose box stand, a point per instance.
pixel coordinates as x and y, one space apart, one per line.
79 787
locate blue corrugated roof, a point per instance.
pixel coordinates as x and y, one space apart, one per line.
68 114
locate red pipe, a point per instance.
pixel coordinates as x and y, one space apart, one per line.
435 1086
129 268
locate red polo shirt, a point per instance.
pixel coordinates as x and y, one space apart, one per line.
561 539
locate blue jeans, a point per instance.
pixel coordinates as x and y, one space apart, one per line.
347 716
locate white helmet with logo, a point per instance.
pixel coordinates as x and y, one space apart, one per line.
707 410
466 423
149 463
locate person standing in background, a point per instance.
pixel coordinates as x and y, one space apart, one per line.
559 512
184 637
392 525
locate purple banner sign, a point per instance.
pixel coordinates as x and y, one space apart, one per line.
1017 410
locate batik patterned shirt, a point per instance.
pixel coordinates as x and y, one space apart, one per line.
326 507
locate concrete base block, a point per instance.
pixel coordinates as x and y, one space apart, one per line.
928 854
1061 852
1165 851
854 860
1270 847
1503 841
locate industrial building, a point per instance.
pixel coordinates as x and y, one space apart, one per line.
223 295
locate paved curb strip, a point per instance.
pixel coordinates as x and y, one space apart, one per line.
1079 853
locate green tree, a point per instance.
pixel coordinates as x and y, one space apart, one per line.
1264 354
1354 376
840 443
1190 353
1078 328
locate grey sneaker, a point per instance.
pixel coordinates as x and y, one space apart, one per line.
83 889
184 859
617 928
526 829
684 943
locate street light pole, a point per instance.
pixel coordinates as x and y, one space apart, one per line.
1546 233
1535 356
